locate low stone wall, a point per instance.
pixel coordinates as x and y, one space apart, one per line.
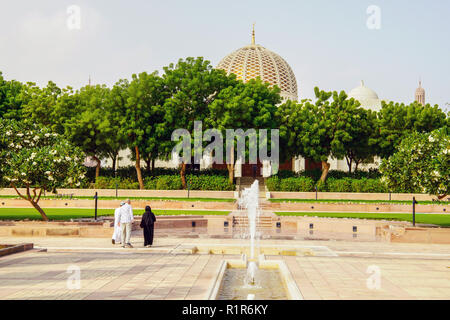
111 204
355 207
101 229
132 193
418 235
15 249
351 196
55 229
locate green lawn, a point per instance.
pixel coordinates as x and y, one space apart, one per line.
132 198
357 201
442 220
69 213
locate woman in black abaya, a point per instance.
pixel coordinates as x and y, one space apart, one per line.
148 223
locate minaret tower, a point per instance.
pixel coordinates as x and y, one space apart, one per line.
253 35
420 94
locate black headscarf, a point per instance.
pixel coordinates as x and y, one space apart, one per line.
148 218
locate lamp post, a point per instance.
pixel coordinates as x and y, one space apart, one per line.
96 199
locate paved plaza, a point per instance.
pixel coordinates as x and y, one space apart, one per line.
408 271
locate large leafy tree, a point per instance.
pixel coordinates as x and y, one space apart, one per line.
420 164
50 106
193 84
397 120
117 106
11 98
143 123
37 159
91 128
318 131
361 148
251 105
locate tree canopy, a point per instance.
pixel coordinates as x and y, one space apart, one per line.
321 130
420 164
34 158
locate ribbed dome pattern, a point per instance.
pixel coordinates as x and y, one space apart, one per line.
254 61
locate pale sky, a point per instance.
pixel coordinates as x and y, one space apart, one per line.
327 43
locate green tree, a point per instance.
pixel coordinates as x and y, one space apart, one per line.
35 158
11 98
44 105
361 148
193 84
117 107
91 129
420 164
251 105
143 123
397 120
318 131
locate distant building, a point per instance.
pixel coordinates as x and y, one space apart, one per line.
420 94
366 97
254 61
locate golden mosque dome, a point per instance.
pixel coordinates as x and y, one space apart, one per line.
254 61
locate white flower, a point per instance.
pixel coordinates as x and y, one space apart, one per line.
68 158
36 138
78 184
70 180
19 134
47 135
47 172
8 133
50 178
23 174
431 139
33 155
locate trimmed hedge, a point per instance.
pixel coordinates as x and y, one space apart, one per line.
130 172
306 184
336 174
167 182
293 184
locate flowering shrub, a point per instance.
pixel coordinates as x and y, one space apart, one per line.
420 164
37 159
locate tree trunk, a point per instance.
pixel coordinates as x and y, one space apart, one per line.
356 165
440 197
230 168
33 200
325 169
97 168
138 168
114 160
148 163
38 208
153 164
349 163
183 174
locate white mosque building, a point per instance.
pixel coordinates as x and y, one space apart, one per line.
252 61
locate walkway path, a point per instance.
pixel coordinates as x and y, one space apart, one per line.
408 271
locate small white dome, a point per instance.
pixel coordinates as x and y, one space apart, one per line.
366 97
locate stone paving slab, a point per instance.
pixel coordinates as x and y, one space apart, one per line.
107 272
